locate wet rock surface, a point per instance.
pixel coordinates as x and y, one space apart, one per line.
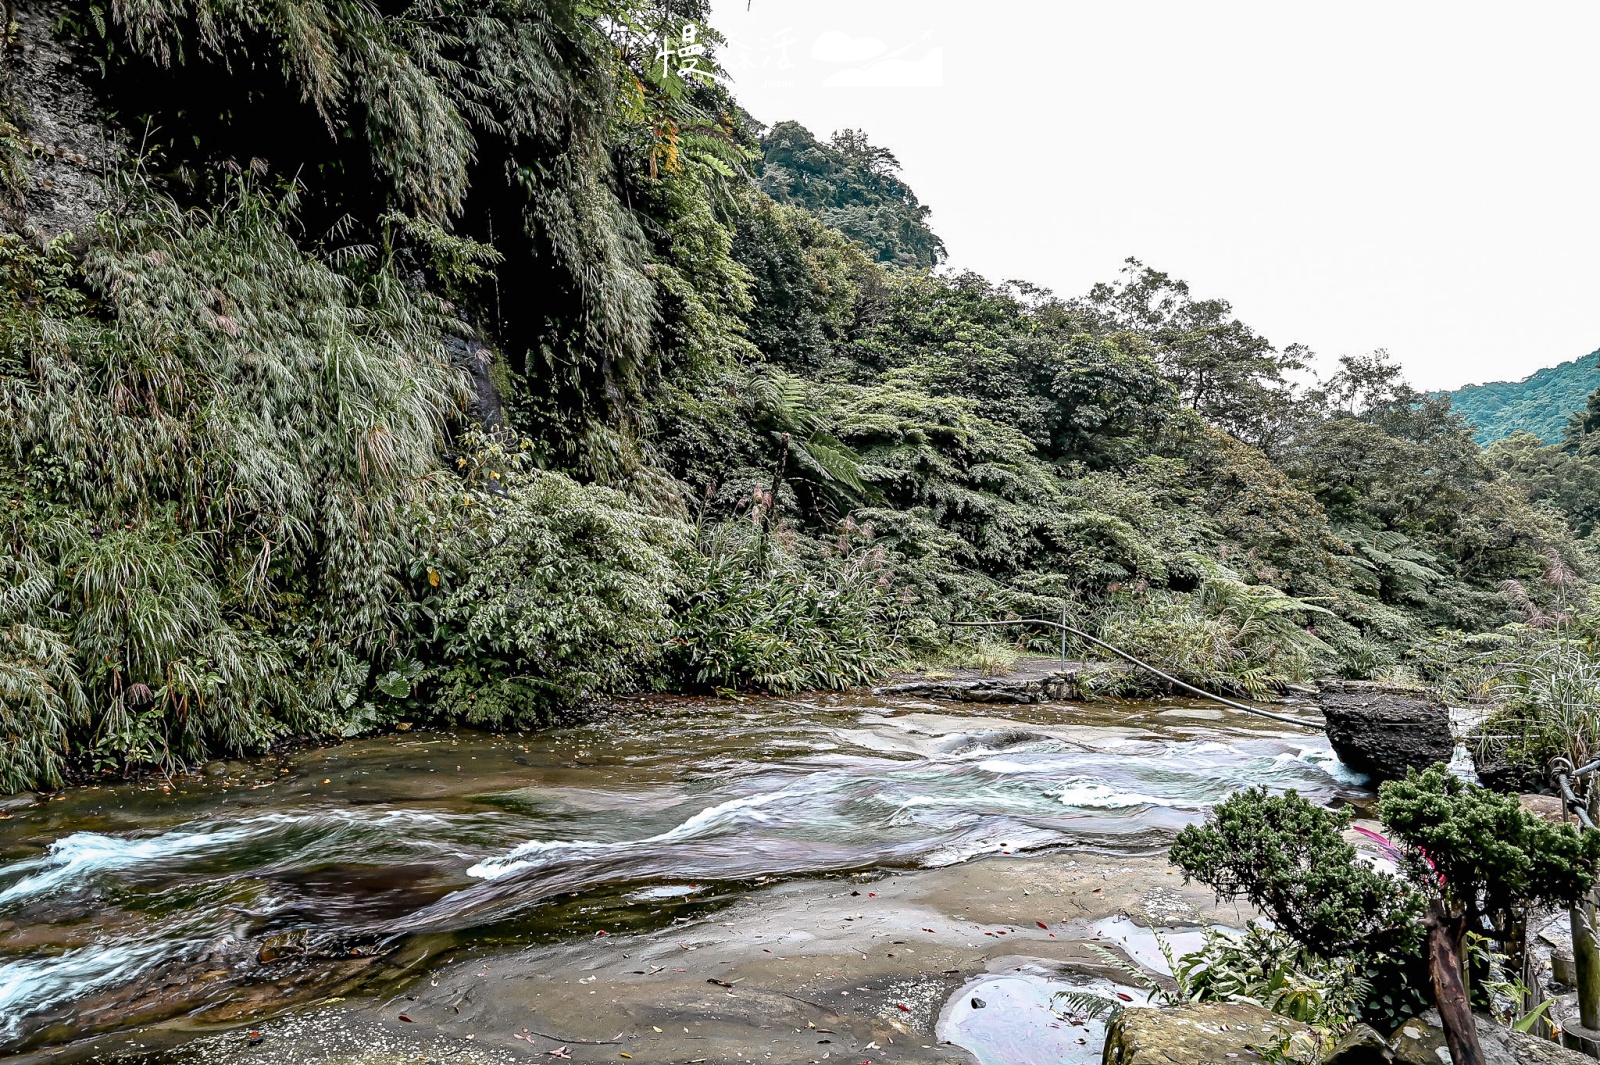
1421 1041
1383 731
860 969
702 880
1032 680
1212 1033
68 143
1360 1046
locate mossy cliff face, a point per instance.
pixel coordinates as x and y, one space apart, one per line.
59 144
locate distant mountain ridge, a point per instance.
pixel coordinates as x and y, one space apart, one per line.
1540 403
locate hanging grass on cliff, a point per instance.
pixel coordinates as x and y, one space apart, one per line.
220 442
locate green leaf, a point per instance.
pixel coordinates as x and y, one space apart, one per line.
1531 1018
394 685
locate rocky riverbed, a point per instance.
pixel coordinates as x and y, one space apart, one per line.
824 879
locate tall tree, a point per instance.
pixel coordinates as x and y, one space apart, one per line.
853 186
1223 369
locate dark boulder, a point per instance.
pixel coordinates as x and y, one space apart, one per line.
1510 776
1382 730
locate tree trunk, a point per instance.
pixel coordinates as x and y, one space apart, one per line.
1449 990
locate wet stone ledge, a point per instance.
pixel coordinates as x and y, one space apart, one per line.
1040 680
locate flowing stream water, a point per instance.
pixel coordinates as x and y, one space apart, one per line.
256 885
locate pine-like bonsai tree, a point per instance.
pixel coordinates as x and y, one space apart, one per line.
1480 859
1472 859
1287 856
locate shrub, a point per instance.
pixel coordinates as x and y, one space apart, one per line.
1484 856
1227 635
40 695
748 614
1269 967
230 440
1288 858
1475 862
566 596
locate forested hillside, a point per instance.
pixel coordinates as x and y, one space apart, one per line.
1539 404
474 365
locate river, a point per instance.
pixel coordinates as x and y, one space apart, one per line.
321 891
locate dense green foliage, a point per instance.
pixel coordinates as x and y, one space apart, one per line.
1539 404
1288 857
565 596
742 434
852 186
220 445
1489 857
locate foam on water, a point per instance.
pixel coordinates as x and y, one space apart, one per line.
713 819
76 860
1012 779
35 985
73 859
1097 794
1324 759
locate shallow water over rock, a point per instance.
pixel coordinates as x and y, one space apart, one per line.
361 866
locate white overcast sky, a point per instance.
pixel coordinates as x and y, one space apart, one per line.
1352 175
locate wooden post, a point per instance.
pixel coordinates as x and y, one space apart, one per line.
1586 959
1586 956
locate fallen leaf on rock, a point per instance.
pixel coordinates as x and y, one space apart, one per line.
403 1017
1041 924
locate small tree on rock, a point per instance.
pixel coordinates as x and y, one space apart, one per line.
1287 856
1481 860
1473 861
